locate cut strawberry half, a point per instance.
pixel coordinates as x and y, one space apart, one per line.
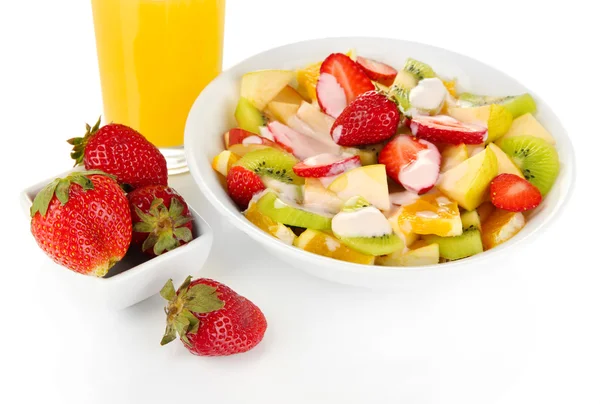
242 185
300 145
377 71
445 129
412 163
326 165
513 193
339 72
370 119
243 137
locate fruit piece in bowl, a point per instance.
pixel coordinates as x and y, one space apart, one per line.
430 139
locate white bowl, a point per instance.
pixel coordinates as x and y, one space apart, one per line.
212 115
137 276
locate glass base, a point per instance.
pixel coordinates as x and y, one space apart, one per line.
175 157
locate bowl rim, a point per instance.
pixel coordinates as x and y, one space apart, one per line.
241 223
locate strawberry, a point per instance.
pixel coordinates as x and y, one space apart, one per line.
161 219
513 193
121 151
412 163
82 222
377 71
242 184
211 319
445 129
371 118
325 165
341 80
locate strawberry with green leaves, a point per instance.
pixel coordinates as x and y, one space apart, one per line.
121 151
211 319
83 222
161 219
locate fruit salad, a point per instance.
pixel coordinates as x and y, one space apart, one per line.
360 161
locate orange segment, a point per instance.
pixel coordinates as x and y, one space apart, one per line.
500 226
485 210
328 246
223 162
432 214
451 87
268 225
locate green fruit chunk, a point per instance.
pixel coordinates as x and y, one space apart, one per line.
418 69
536 158
273 163
454 248
381 245
288 213
248 117
470 220
517 105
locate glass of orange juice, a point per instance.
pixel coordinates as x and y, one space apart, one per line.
155 57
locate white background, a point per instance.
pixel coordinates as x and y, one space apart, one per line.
524 331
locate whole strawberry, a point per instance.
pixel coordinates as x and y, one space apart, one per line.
161 219
370 118
211 319
121 151
82 222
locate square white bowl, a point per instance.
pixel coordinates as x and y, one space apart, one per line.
137 276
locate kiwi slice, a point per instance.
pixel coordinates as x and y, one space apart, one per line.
517 105
536 158
401 97
292 215
272 163
381 245
457 247
248 117
470 220
419 69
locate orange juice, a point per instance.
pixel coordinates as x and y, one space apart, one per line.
155 57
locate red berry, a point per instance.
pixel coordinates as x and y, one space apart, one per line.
377 71
329 169
161 219
123 152
211 319
82 222
445 129
242 185
513 193
371 118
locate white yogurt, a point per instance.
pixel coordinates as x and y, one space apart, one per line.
365 222
254 139
428 95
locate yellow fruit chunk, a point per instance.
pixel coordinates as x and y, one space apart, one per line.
453 155
284 105
328 246
223 162
505 164
404 231
500 226
451 87
495 117
468 182
370 182
432 214
261 86
268 225
428 254
528 125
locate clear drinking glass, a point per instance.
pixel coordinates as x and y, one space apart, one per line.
155 57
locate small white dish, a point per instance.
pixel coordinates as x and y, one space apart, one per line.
212 115
137 276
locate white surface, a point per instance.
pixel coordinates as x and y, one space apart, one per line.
524 332
203 141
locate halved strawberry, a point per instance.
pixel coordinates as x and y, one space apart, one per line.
326 165
445 129
300 145
412 163
377 71
242 185
513 193
371 118
243 138
339 72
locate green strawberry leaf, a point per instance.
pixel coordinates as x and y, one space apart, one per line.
62 191
194 322
175 209
43 198
203 299
165 242
143 227
170 335
183 234
180 221
168 291
150 242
